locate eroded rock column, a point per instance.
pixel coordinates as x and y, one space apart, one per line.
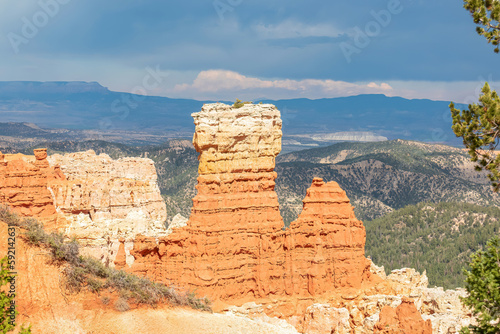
232 245
326 244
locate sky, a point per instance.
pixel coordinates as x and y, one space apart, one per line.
250 49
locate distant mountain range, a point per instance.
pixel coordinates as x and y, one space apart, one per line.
83 105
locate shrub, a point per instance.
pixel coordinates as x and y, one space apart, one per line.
24 330
5 298
198 303
61 251
239 104
483 287
122 305
105 300
35 235
95 267
94 285
75 278
8 216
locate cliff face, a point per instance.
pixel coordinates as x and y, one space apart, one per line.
105 200
105 189
234 246
23 186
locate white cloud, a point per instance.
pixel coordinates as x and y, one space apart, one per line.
222 84
293 29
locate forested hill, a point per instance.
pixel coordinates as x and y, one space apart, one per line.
438 238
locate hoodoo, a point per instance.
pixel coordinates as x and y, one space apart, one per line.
234 245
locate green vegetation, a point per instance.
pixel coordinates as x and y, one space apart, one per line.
486 14
479 126
438 238
83 272
483 287
5 298
239 103
381 176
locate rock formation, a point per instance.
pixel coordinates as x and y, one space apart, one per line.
405 319
327 243
23 187
325 319
45 303
234 246
105 200
92 198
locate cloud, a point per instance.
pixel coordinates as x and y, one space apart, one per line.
223 84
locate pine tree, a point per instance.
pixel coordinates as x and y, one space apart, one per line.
479 126
483 286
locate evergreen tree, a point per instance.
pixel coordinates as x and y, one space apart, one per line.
483 287
479 126
486 14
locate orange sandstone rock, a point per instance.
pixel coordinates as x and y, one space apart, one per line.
121 258
23 186
41 157
405 319
327 242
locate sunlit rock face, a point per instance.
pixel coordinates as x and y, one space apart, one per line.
23 186
105 200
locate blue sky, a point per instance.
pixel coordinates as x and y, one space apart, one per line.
250 49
